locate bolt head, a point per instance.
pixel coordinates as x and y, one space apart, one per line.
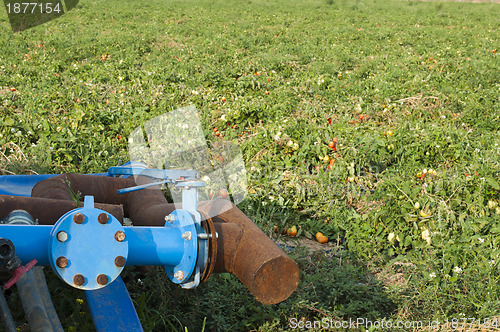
187 236
179 275
102 279
170 218
61 262
120 261
103 218
62 236
120 236
78 279
79 218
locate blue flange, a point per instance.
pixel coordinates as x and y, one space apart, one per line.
87 247
184 220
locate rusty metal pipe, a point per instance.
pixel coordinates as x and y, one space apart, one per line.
65 186
269 274
145 207
229 236
46 210
244 250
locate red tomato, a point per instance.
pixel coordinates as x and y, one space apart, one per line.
223 193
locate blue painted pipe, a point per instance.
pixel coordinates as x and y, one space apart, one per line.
154 246
30 241
20 185
147 245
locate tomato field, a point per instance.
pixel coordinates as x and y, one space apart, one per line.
374 123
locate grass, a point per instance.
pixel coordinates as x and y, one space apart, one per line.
409 90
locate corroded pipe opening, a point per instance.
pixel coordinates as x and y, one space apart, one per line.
243 249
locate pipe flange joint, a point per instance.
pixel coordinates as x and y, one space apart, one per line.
184 222
84 245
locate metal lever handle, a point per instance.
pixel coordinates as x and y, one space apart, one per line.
18 273
140 187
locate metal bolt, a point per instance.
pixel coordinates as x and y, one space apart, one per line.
103 218
62 236
79 218
187 236
120 261
170 218
102 279
179 275
62 262
78 279
204 236
119 236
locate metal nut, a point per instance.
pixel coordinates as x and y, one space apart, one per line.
119 236
62 236
187 236
170 218
79 218
103 218
61 262
102 279
78 279
179 275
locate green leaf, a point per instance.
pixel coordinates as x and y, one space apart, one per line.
406 188
8 122
492 182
